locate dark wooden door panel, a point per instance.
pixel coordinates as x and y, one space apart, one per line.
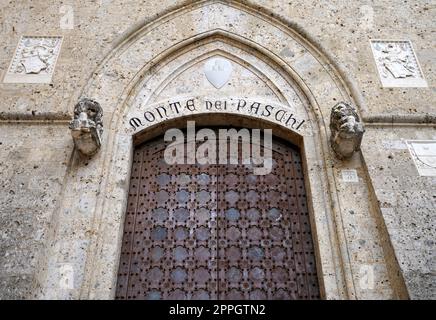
216 231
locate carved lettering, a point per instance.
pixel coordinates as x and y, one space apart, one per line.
190 105
268 109
208 105
241 104
254 106
291 117
149 116
135 123
219 105
175 107
159 109
282 114
301 123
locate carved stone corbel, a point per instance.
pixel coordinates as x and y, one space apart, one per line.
346 130
87 126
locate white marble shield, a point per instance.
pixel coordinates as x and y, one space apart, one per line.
218 71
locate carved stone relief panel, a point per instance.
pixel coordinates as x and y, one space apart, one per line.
34 60
397 64
423 153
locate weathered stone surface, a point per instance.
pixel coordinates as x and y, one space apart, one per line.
61 214
408 205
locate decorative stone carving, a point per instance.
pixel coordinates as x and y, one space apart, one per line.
397 64
346 130
218 71
34 60
87 126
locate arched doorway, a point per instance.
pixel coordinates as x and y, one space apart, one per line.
275 63
216 231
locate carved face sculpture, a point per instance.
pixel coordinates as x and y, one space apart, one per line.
346 130
344 118
87 126
90 108
340 110
91 112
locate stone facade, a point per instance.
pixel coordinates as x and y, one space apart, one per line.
62 212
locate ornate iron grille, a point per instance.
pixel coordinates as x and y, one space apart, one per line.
216 231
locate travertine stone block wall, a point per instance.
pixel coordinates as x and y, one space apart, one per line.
407 203
33 162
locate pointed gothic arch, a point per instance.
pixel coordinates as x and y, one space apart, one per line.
131 76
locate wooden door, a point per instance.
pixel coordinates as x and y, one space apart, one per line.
216 231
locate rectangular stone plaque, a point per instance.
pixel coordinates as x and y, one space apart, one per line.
397 63
423 153
34 60
349 175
